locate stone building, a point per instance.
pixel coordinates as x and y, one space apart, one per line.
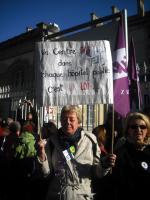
17 67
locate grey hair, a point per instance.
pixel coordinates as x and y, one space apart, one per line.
72 108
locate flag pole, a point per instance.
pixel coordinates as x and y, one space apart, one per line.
39 125
126 31
123 39
112 134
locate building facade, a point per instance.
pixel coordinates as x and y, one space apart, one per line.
17 59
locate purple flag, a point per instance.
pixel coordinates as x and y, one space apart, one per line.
120 72
134 88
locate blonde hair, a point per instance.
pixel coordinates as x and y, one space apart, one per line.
134 116
72 108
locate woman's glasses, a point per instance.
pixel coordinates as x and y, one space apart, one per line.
138 126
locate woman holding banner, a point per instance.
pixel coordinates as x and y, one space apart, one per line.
72 157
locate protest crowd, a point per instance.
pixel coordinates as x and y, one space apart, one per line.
69 163
47 154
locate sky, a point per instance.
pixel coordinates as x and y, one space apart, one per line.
16 15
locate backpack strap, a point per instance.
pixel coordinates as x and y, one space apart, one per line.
93 139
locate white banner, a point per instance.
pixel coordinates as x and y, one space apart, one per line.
70 72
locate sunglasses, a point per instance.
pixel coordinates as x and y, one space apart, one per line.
138 126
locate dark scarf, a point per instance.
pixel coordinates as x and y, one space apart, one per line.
138 146
69 140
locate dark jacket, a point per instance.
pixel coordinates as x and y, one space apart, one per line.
131 174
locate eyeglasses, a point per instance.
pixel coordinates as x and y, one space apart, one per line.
138 126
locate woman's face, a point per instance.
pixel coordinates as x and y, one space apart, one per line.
137 131
69 123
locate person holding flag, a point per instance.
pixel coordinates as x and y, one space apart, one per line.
72 157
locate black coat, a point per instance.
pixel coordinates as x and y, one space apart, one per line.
131 174
130 178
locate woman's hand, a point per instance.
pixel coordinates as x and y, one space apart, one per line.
108 160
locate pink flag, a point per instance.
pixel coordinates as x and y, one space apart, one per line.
120 72
135 92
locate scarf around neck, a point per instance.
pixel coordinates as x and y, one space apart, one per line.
69 140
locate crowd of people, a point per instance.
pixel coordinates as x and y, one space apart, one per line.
68 163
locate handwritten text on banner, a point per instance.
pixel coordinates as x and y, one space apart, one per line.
70 72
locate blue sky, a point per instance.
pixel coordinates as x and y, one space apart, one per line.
16 15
